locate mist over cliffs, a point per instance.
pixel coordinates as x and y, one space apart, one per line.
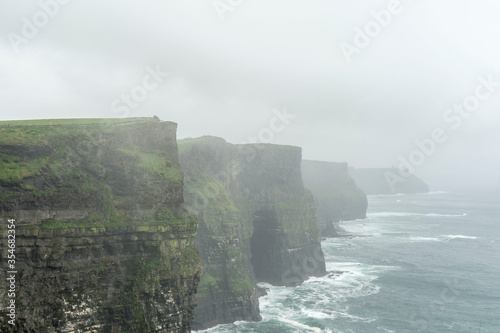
387 181
335 193
257 223
122 227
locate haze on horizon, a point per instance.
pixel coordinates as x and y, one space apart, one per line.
230 77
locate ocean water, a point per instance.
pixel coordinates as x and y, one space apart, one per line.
419 263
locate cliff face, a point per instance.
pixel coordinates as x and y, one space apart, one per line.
103 240
257 223
387 181
335 193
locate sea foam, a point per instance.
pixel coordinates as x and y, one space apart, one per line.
458 237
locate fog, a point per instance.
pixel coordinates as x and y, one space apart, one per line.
353 81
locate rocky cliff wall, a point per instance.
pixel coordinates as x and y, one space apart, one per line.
335 193
257 223
387 181
103 240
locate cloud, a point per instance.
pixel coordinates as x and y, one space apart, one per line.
227 76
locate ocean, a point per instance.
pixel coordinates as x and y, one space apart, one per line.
418 263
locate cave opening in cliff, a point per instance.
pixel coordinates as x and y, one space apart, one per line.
264 245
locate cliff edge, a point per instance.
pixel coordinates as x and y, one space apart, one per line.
103 240
257 223
335 193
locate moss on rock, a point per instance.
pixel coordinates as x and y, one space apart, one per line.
105 242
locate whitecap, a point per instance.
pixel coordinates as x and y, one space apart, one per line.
385 195
436 192
264 285
356 318
300 325
386 214
315 314
445 215
424 239
402 214
458 237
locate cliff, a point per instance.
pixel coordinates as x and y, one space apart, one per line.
387 181
257 222
103 240
335 193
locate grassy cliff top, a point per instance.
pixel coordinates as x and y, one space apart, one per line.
108 167
71 121
38 132
187 143
29 146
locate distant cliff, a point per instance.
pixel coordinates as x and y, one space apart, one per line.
103 240
257 222
335 193
387 181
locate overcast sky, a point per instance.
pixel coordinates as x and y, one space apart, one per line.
231 68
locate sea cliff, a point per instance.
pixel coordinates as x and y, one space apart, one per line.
257 223
103 240
335 193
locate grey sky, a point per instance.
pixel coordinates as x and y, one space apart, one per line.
226 77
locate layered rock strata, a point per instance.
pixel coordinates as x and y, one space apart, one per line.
103 240
257 223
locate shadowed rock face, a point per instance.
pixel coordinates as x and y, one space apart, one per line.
335 193
103 240
387 181
257 223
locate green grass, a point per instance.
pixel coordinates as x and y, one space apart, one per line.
13 169
155 164
190 263
202 187
238 279
66 156
6 196
179 263
186 144
29 187
53 146
164 217
207 283
208 280
38 133
162 221
149 272
241 284
33 137
70 121
53 224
